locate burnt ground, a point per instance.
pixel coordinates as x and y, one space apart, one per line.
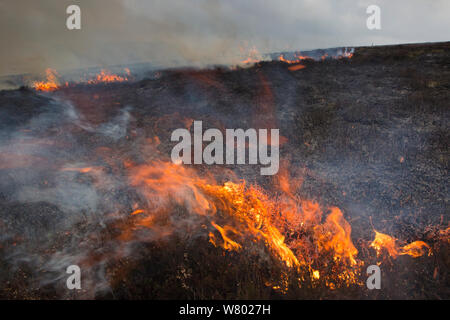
369 135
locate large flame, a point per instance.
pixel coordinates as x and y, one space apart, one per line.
299 233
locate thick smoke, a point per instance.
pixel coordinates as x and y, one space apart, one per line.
65 189
175 32
42 168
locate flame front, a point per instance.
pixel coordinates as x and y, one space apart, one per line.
313 242
52 81
299 58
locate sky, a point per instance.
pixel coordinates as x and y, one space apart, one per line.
34 36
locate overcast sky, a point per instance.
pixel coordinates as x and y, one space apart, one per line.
198 32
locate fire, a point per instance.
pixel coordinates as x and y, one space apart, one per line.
137 211
334 235
228 244
316 274
247 208
253 56
344 53
107 77
51 84
384 243
299 59
81 170
347 54
445 234
314 242
416 249
292 230
296 67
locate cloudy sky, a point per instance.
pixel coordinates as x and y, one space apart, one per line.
34 36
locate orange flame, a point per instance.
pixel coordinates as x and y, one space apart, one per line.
296 67
81 170
241 214
299 59
51 84
335 235
384 243
253 56
107 77
241 217
228 244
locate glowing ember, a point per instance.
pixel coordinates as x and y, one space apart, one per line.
137 211
296 67
81 170
316 274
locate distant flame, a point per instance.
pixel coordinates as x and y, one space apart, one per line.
253 56
51 84
298 59
296 67
107 77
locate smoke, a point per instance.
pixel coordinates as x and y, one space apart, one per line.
47 196
199 32
67 194
117 128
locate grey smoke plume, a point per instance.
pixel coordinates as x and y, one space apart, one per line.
200 32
